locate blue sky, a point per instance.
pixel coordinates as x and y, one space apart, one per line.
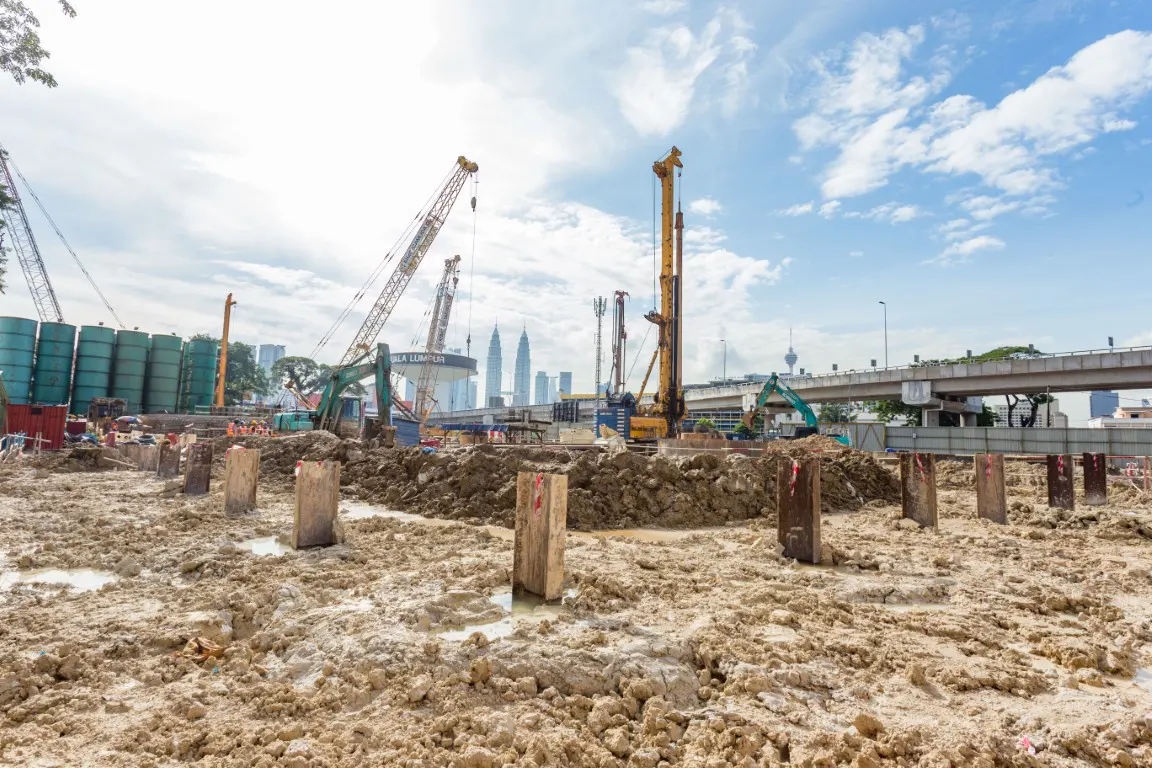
981 167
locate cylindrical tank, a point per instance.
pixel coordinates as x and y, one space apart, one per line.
200 371
163 386
52 377
93 375
17 351
130 363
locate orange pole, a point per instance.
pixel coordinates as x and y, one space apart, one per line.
219 399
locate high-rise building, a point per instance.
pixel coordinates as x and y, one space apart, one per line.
494 373
268 354
1047 415
541 388
565 382
522 382
1103 403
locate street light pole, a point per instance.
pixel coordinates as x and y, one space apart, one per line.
885 334
725 375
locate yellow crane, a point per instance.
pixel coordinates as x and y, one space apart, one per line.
219 399
662 418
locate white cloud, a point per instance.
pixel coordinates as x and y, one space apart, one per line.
800 209
905 213
893 213
959 253
705 206
880 119
828 210
664 7
855 254
657 84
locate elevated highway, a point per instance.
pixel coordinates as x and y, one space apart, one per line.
948 387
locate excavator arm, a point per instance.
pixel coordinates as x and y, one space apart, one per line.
774 385
379 367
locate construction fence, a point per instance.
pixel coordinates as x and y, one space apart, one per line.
1016 440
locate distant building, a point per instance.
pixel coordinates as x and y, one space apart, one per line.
1103 403
409 390
1129 417
522 381
268 354
565 382
494 372
472 401
541 388
1047 415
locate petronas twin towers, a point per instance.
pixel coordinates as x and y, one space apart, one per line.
522 377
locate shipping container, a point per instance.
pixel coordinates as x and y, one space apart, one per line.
48 421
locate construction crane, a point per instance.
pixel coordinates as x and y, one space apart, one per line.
662 418
410 261
218 400
437 331
27 252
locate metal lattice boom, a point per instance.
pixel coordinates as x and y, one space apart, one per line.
410 261
437 333
27 252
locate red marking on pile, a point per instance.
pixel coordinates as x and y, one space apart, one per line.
795 474
537 494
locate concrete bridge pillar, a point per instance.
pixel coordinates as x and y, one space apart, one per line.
930 417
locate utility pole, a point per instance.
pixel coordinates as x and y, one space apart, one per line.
219 399
885 334
599 306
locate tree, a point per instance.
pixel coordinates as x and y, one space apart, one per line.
836 413
1035 401
705 424
20 51
310 377
243 375
888 411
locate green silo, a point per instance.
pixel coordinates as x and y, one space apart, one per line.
17 351
162 388
200 372
129 365
93 375
52 377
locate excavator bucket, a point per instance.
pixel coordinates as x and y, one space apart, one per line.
748 418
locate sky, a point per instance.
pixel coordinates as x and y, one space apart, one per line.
980 167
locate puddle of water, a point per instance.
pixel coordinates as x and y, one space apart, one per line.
1144 679
266 546
517 608
645 534
77 579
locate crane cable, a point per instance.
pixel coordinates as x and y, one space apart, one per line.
404 237
60 234
472 265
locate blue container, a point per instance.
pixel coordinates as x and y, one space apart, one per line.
618 418
407 432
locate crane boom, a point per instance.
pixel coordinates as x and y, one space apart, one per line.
437 332
410 261
669 397
27 252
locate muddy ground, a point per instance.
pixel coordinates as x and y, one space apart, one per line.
976 645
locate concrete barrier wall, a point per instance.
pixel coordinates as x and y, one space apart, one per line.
1033 442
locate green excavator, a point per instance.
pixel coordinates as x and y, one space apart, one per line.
342 415
811 423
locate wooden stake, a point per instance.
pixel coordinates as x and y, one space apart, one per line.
168 465
991 497
1095 479
798 508
198 473
918 488
1061 485
241 470
541 523
317 501
149 458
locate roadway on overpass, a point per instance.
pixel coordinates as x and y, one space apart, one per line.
927 385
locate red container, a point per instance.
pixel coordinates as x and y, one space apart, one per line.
46 420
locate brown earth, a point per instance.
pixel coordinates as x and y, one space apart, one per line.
914 648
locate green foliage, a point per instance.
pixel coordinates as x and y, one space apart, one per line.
987 417
835 413
20 51
888 411
705 424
